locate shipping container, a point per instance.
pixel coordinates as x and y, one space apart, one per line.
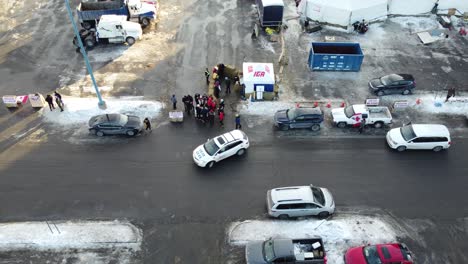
335 56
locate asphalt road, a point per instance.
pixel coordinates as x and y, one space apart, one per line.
184 210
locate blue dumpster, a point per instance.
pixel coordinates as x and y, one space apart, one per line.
335 56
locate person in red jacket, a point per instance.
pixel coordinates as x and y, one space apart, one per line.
221 118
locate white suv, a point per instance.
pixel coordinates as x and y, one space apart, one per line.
221 147
298 201
435 137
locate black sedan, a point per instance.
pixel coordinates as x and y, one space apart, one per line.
115 124
301 117
392 84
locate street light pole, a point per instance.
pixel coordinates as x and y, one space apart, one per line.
101 103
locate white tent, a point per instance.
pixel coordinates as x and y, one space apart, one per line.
417 7
343 12
258 78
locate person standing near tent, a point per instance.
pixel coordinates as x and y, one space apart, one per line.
207 76
228 85
238 122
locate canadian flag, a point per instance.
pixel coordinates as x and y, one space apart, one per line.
250 68
267 69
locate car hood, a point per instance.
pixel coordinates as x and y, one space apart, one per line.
376 83
92 121
338 112
199 153
281 116
254 253
355 256
329 202
396 136
134 122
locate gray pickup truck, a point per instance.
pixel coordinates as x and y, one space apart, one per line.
306 250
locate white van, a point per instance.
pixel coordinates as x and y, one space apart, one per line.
423 136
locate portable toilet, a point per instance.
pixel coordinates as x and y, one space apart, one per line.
259 80
270 12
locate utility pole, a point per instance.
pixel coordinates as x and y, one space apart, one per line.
101 103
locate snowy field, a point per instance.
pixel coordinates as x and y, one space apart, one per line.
338 234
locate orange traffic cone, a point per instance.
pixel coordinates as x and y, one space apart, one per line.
315 104
328 104
418 101
297 105
343 104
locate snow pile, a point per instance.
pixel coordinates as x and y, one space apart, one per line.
264 108
432 103
69 235
417 24
338 234
80 110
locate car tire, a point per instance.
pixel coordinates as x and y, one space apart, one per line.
380 93
131 133
210 164
240 152
145 22
283 217
130 41
315 127
284 127
341 124
99 133
406 92
323 215
401 148
437 149
378 124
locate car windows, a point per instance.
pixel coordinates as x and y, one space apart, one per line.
314 118
283 207
297 206
311 206
420 140
300 118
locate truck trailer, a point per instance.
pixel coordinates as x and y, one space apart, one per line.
90 12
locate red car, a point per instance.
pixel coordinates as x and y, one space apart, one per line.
395 253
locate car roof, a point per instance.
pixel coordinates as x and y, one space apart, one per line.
430 130
107 118
308 111
291 194
400 76
390 252
229 137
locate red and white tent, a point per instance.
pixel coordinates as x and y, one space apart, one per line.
258 77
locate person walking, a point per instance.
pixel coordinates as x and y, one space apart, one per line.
221 119
50 101
147 124
211 117
59 103
362 125
57 95
221 106
207 76
450 93
238 122
174 102
228 85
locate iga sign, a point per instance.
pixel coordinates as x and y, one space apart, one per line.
259 74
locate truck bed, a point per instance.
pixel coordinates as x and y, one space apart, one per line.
379 113
309 250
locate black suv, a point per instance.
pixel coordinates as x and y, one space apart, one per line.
301 117
392 84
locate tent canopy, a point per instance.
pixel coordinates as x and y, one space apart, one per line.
257 74
343 12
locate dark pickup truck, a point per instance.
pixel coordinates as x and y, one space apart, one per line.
300 117
306 250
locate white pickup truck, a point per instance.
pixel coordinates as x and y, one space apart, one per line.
353 114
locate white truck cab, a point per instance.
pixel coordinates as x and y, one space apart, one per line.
354 114
141 11
116 29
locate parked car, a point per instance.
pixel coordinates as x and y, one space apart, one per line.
221 147
115 124
423 136
306 250
392 84
382 254
378 116
301 117
298 201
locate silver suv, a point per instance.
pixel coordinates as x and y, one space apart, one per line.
298 201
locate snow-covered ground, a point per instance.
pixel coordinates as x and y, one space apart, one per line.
79 110
338 234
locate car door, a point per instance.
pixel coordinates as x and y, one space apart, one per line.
227 151
300 122
105 128
297 209
421 143
313 209
393 88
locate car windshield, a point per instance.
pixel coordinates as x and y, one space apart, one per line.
371 255
389 79
268 251
318 195
210 147
407 133
291 113
349 111
122 120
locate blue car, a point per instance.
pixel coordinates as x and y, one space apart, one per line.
302 117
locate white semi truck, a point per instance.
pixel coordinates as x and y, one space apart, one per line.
110 29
